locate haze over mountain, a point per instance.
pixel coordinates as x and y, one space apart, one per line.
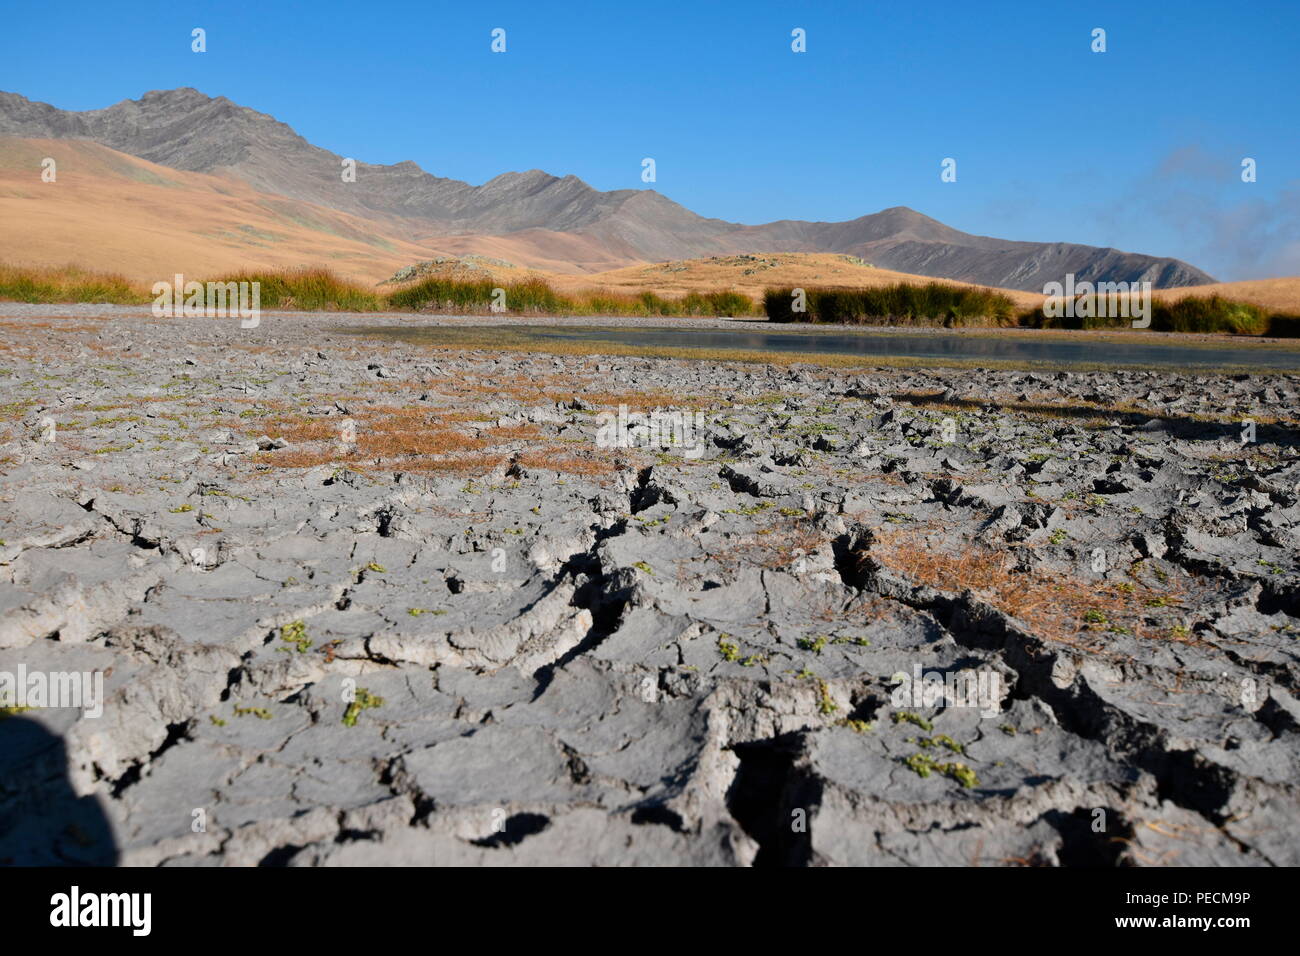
556 220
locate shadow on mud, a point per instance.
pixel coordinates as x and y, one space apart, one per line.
42 820
1177 426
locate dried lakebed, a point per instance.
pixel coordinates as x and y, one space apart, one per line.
360 602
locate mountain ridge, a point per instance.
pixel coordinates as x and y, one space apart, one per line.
188 130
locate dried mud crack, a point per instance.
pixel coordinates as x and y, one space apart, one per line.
364 603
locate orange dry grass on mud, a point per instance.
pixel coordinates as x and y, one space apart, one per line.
561 459
509 433
387 438
1054 606
393 438
391 432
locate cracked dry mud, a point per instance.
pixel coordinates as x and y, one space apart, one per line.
471 636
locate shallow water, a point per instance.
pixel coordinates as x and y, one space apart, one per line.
945 347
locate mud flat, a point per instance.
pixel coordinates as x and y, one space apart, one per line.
364 601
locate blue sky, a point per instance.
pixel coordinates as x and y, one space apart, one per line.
1139 147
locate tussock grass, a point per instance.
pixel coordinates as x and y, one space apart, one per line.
905 303
68 284
536 296
1190 314
309 289
935 304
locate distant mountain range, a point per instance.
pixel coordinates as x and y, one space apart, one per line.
549 218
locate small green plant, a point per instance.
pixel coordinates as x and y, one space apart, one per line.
643 567
295 633
963 774
814 644
417 611
261 713
858 641
948 742
364 700
923 765
729 651
825 705
907 716
180 510
920 764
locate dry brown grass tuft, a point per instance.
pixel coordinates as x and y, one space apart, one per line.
392 432
465 464
509 433
1054 606
388 438
562 459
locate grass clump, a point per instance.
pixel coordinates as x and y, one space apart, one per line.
533 296
309 289
68 284
905 303
1192 313
953 306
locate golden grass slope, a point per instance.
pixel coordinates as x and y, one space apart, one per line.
542 250
751 274
111 212
1280 295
